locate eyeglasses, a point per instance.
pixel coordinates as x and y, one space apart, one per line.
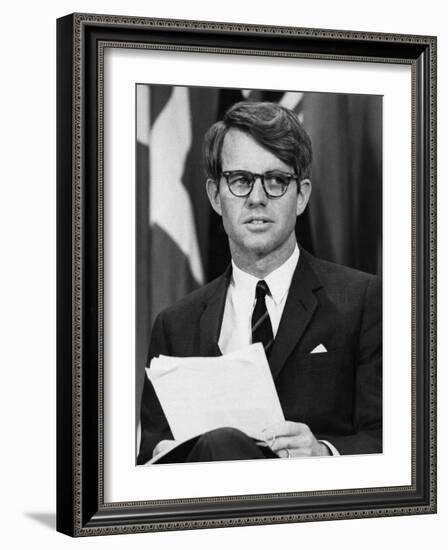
241 182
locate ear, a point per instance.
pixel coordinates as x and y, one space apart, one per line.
303 195
212 188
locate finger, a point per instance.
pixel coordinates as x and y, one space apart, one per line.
286 428
294 453
302 453
292 442
283 453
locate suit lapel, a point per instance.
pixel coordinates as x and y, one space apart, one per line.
211 318
299 310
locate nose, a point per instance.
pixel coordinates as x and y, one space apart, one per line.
257 195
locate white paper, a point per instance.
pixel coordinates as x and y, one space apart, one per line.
199 394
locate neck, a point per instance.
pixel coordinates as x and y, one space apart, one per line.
259 265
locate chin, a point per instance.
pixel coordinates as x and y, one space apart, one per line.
259 248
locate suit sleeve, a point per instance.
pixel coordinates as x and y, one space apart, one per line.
154 426
367 406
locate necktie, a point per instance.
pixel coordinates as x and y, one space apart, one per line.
261 323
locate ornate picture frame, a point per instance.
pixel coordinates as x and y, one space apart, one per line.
82 509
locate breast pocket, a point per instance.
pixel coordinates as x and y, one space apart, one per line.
337 359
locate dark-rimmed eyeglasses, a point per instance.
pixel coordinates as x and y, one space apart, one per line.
241 182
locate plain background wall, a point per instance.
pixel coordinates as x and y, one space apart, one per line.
27 291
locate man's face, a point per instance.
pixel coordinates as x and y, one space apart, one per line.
257 226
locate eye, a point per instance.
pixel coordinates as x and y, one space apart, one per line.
276 179
239 178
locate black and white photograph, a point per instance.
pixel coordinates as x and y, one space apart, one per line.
258 265
246 275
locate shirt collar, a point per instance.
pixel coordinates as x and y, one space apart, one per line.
278 280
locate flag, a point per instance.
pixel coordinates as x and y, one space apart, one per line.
345 209
172 208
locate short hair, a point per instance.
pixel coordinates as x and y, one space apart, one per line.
272 126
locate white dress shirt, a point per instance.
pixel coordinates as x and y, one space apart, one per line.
236 328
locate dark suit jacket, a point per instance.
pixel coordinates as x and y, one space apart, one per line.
337 393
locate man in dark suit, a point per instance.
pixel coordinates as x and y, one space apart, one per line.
320 323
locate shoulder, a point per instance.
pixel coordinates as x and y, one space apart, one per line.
195 301
336 273
344 285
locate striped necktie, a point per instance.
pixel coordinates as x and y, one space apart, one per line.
261 322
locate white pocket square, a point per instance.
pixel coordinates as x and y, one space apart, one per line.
319 349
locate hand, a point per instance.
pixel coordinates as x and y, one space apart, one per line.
290 439
164 445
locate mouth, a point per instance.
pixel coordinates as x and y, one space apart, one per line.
258 221
257 224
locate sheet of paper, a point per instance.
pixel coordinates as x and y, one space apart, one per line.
199 394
